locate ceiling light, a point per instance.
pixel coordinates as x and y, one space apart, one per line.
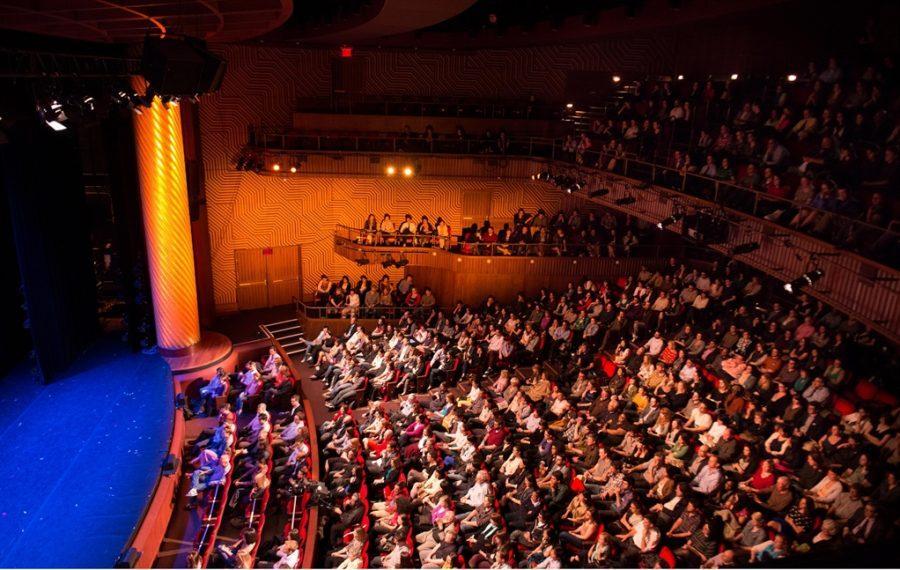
792 78
734 76
569 105
616 78
680 77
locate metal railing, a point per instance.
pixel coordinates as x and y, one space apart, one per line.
462 107
311 311
365 242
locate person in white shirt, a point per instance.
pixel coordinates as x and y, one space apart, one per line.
655 345
700 419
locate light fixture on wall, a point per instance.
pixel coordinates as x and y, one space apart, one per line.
390 170
408 171
804 280
669 220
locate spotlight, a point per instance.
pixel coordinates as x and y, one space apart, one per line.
680 77
807 278
625 201
745 248
401 263
388 263
390 170
276 167
616 78
668 221
792 78
362 261
543 176
408 171
293 170
569 105
599 192
734 76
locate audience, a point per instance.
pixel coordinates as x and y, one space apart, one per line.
665 435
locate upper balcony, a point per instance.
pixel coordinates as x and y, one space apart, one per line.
860 277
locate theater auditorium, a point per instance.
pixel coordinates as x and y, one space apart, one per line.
449 284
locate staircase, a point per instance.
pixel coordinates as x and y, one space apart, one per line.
288 333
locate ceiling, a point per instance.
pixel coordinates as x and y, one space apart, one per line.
429 24
129 21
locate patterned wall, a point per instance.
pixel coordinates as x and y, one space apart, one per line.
260 211
263 85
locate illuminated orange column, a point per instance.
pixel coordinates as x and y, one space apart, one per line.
167 226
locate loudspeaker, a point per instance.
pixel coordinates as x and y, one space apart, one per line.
128 558
174 66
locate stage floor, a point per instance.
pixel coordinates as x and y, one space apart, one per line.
81 457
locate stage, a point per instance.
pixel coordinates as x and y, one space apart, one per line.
81 457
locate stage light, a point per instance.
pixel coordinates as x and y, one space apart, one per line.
625 201
408 171
807 278
569 105
401 263
276 167
734 76
390 170
387 263
599 192
293 170
743 248
616 78
56 125
680 77
792 78
669 220
362 261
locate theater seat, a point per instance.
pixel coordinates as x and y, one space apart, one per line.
843 406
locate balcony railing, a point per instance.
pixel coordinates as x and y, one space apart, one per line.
869 240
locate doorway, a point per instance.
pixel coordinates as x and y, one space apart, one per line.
267 277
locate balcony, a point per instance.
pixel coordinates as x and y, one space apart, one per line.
859 282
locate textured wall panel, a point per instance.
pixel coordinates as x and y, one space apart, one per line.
264 211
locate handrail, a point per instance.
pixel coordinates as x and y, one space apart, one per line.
324 312
357 239
745 200
309 546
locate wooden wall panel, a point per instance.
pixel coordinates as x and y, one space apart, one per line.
470 279
270 211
